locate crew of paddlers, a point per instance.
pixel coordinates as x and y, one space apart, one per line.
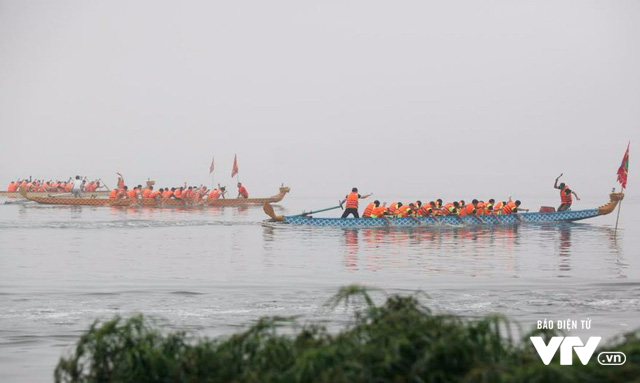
78 186
376 209
185 192
51 186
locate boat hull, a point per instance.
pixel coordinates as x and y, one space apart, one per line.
90 200
451 220
448 220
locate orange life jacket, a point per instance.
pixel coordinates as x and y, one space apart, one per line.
368 210
497 209
565 195
425 210
177 193
12 187
403 211
468 209
167 193
378 212
352 201
448 209
132 194
113 193
154 194
243 191
508 207
146 193
391 209
480 208
214 194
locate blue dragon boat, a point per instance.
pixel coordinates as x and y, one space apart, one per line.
306 219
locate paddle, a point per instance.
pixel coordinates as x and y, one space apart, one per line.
103 185
268 209
20 202
321 210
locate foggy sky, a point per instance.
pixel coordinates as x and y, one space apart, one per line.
426 98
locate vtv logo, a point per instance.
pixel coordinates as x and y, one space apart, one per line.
570 343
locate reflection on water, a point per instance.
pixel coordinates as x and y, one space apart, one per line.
477 248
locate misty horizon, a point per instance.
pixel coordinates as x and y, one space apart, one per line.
433 99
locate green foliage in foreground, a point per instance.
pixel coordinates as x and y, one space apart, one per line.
399 341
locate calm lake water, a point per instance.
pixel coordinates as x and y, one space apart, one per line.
212 271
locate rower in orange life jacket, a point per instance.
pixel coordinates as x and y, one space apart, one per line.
133 194
512 207
480 208
147 192
113 194
156 194
214 194
425 210
451 208
403 211
242 191
369 209
12 187
379 212
565 195
488 207
470 208
393 206
352 203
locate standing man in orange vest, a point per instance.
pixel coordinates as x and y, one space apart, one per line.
352 203
565 194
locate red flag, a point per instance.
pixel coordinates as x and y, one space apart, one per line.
211 167
234 171
623 170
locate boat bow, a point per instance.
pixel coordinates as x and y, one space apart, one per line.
607 208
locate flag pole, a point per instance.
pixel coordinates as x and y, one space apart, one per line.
615 231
